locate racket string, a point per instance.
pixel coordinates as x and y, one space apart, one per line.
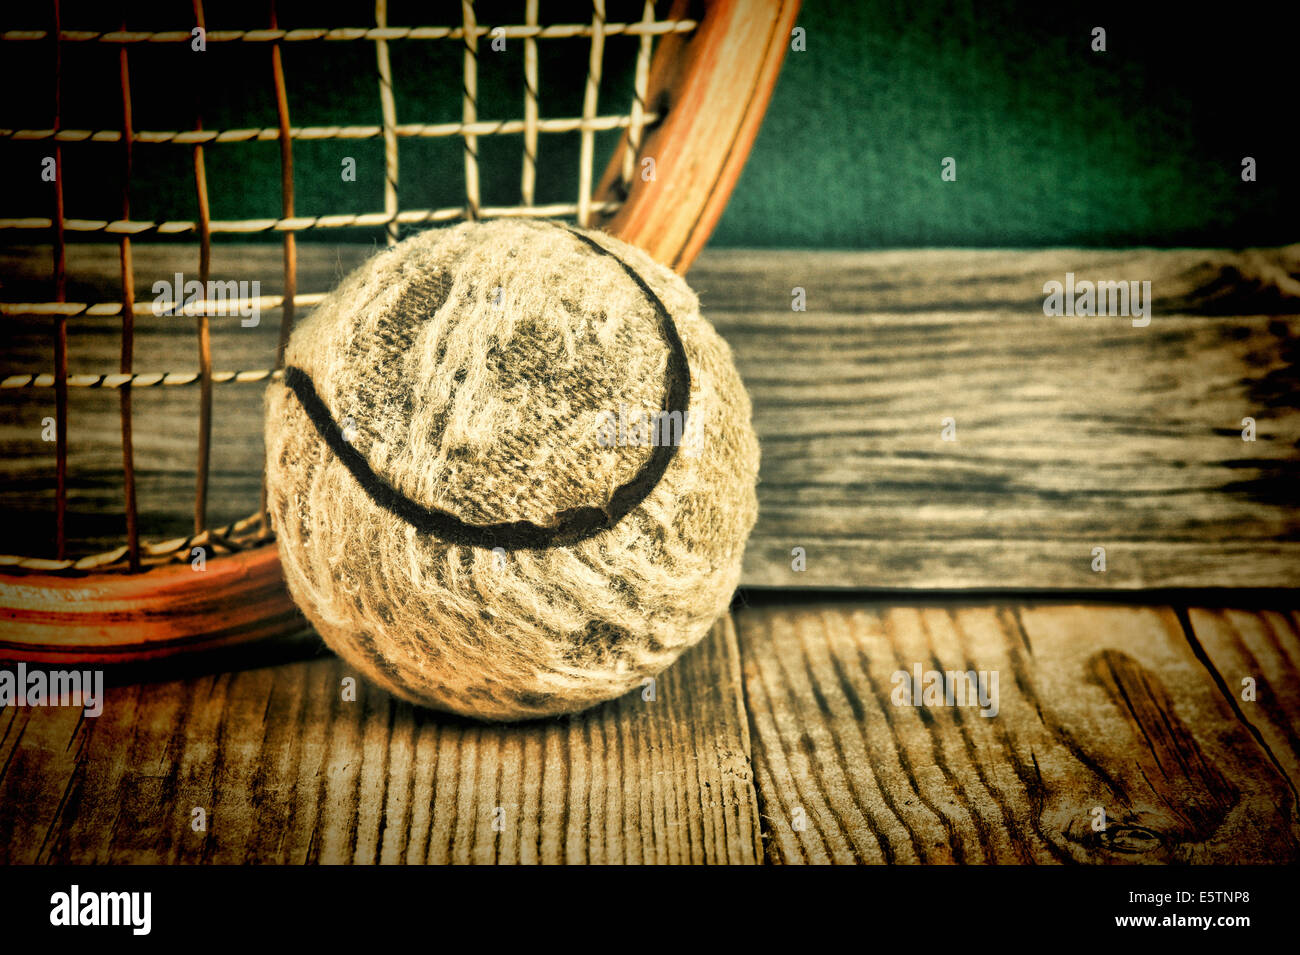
128 323
469 108
528 182
202 323
585 209
388 109
590 98
61 323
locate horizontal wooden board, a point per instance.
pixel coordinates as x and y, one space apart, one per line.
288 772
1110 741
1071 433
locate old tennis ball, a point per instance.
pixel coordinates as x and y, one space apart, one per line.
511 469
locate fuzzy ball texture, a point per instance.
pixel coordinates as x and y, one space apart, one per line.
463 479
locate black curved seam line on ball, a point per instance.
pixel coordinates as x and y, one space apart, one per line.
572 525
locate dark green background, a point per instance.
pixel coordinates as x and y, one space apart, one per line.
1054 144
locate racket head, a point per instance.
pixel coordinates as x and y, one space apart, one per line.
702 93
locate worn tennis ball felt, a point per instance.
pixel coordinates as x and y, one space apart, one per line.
510 468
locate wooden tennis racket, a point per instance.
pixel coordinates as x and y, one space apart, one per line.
703 75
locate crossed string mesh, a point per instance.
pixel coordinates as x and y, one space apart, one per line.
469 32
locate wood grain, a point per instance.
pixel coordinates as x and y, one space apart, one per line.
1072 433
1100 709
1263 647
288 772
1117 708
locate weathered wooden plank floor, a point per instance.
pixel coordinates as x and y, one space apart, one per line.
778 740
1071 433
288 772
1103 712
